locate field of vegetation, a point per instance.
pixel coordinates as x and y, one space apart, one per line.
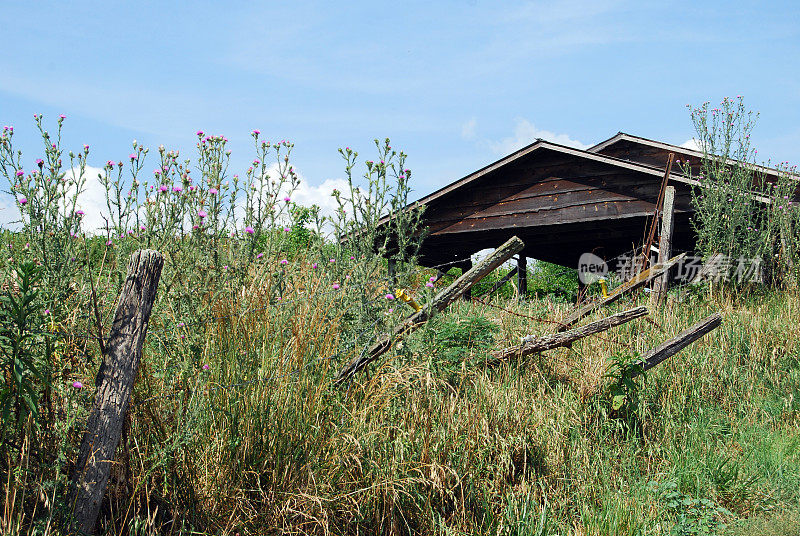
236 425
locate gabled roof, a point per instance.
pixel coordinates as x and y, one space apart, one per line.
540 145
623 136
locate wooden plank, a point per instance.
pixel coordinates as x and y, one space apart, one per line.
522 275
664 246
437 304
114 385
634 283
671 347
532 344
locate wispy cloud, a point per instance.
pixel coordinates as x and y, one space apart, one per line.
526 133
468 129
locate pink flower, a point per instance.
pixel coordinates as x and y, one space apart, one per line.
213 191
23 200
47 311
336 286
333 260
389 297
163 188
177 189
20 173
256 132
206 367
109 242
142 227
62 116
284 261
429 284
286 229
432 279
352 258
77 385
39 162
314 266
202 213
287 199
259 255
249 230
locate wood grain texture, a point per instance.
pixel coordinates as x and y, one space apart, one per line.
531 344
671 347
437 304
114 385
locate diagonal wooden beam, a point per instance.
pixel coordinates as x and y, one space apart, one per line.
531 344
437 304
637 281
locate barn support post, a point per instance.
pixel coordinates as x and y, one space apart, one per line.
114 382
664 246
522 275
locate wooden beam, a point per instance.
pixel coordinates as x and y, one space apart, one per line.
664 246
632 284
522 275
532 344
437 304
671 347
114 385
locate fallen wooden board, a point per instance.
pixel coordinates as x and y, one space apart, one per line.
637 281
437 304
532 344
671 347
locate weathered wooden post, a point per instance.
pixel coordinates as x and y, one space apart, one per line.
114 384
522 275
664 246
466 266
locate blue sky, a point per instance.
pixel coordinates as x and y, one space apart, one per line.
456 85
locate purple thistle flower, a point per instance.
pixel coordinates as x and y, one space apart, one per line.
206 367
202 213
352 258
77 385
177 189
20 173
284 261
23 200
287 199
259 255
429 284
79 212
286 229
333 260
249 230
163 188
109 242
200 133
213 191
389 297
47 311
314 266
336 286
256 132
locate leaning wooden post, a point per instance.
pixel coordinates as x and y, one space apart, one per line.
522 275
532 344
114 384
457 289
671 347
664 246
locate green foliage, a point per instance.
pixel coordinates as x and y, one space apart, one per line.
553 280
691 516
458 342
739 213
624 392
19 319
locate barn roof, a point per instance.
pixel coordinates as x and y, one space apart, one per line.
560 200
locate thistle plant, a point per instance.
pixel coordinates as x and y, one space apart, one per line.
740 214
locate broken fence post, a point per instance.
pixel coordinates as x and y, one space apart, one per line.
664 246
531 344
671 347
438 303
114 385
637 281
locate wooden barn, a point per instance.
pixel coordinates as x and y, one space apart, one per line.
561 202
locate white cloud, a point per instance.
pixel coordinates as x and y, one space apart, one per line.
92 200
526 133
468 129
693 144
